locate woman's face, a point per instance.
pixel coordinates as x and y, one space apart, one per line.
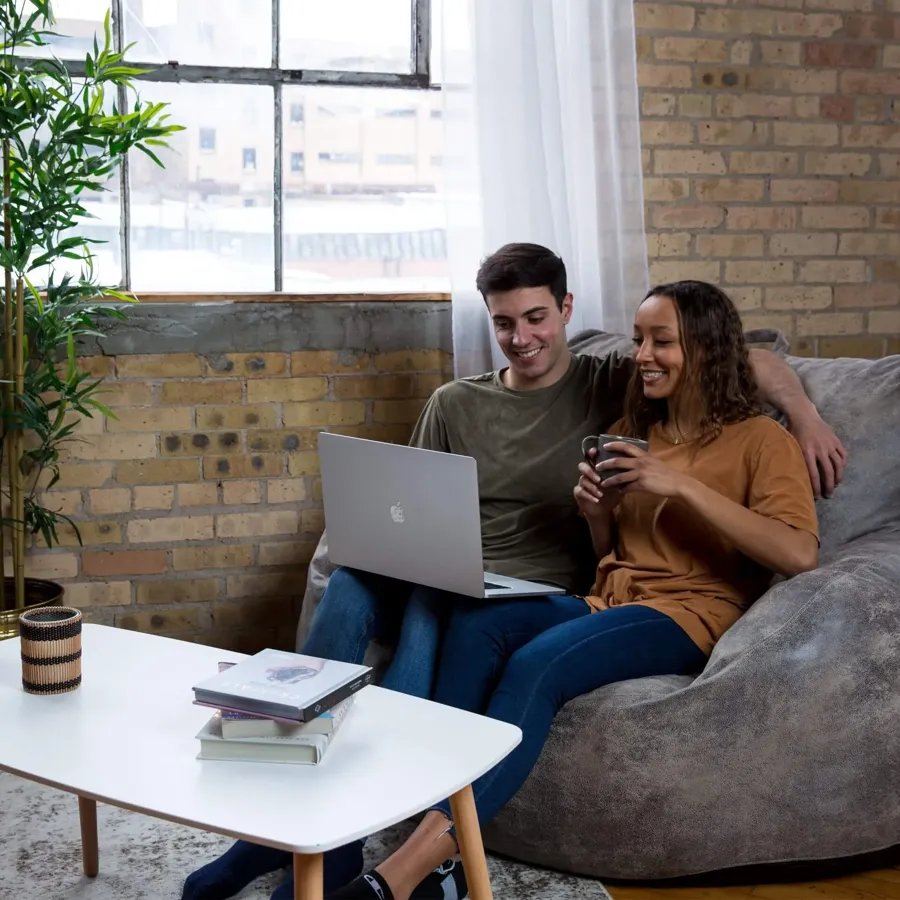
657 347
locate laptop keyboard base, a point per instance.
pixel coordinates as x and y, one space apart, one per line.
493 586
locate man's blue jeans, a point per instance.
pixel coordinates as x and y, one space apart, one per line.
359 607
522 661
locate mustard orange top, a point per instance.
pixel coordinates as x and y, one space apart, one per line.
668 558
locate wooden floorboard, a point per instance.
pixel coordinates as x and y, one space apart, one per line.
698 893
880 885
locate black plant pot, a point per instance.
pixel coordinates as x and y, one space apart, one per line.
38 593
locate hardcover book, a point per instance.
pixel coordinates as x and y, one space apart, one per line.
237 725
283 685
301 749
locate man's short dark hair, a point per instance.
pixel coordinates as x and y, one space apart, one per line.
516 266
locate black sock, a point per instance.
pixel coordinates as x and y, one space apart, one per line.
370 886
244 862
224 877
341 865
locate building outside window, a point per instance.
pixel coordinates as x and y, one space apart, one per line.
208 140
355 74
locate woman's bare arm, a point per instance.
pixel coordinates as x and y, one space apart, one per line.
785 550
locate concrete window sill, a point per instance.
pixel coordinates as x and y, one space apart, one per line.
148 297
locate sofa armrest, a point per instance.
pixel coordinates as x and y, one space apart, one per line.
320 569
854 598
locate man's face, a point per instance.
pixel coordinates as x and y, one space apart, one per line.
531 331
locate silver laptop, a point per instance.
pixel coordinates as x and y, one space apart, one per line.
410 514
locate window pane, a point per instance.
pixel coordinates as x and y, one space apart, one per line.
77 21
101 222
200 32
363 180
347 35
205 222
105 207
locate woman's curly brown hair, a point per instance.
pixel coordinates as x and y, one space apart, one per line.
716 363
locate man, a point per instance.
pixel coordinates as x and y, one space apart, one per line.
524 426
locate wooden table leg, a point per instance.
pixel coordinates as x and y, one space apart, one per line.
468 836
90 850
308 876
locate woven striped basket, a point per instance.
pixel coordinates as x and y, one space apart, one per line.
51 650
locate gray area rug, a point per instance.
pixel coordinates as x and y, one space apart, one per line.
142 858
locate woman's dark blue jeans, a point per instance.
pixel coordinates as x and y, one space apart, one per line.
522 661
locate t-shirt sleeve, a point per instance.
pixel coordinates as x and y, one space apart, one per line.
430 432
611 377
779 486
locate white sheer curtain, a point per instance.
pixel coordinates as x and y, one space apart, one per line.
542 144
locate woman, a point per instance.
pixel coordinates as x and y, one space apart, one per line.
688 536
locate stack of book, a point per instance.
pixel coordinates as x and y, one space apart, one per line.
277 707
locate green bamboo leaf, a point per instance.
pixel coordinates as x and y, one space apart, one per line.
64 431
35 296
103 409
151 154
125 298
73 526
117 72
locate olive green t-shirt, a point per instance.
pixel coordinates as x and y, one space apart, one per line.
527 445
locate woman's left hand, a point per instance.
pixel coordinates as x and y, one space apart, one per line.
643 472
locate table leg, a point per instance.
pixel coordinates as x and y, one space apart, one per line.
90 850
468 836
308 876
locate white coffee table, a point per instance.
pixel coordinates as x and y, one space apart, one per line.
127 737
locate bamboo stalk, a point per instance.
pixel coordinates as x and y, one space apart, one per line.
4 404
19 524
7 346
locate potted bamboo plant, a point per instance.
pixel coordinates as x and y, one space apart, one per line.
62 139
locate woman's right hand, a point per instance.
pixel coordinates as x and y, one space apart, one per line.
593 501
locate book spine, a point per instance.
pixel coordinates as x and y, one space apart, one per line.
276 716
336 696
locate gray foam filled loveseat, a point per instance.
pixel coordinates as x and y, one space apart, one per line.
787 746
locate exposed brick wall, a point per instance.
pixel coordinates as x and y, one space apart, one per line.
771 134
200 505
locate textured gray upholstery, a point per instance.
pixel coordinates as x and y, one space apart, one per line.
787 746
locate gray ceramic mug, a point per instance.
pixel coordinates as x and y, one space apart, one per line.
596 442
